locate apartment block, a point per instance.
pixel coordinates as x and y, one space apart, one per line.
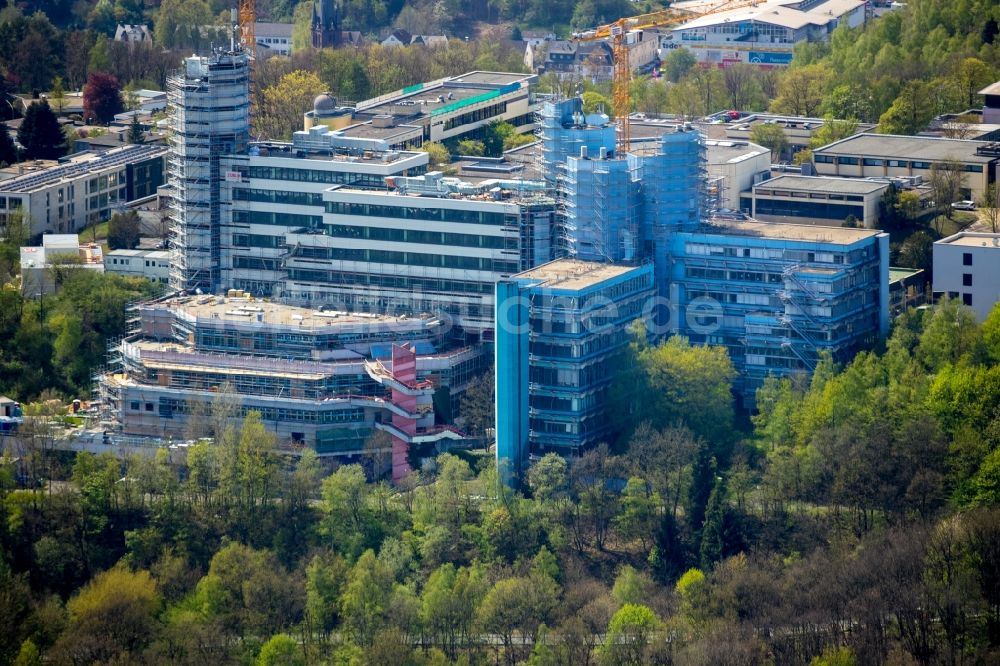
560 330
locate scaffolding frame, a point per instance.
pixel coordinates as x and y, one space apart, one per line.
210 100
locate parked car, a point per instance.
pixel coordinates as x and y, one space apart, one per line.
964 205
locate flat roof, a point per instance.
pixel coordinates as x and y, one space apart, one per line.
785 231
197 359
422 98
776 12
369 131
238 309
972 239
491 78
264 29
81 166
731 152
333 153
824 184
153 254
897 273
573 274
920 148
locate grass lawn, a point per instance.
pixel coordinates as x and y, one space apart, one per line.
97 233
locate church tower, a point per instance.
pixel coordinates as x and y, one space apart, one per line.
325 24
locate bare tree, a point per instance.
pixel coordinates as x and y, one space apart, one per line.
378 455
946 183
741 85
989 205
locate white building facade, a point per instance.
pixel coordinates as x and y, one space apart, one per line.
154 265
967 268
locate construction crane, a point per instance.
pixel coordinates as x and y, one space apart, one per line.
248 37
618 31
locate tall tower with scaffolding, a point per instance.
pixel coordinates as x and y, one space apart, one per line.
673 177
210 98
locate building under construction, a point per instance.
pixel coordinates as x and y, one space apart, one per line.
323 379
210 97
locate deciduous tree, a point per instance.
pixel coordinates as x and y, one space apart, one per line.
102 98
281 112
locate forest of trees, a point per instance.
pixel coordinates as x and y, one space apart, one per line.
855 521
50 346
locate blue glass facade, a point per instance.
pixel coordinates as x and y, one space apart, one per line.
560 328
779 295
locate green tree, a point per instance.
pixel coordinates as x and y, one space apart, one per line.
40 134
631 586
281 650
326 576
496 136
800 90
835 656
908 204
547 478
518 605
917 250
678 63
58 95
771 136
833 130
111 618
637 520
437 153
471 148
675 383
302 26
595 102
448 606
281 111
478 407
123 231
703 473
348 521
910 112
970 76
713 530
178 22
363 603
629 633
136 135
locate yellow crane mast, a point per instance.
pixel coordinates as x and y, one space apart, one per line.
248 37
622 71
